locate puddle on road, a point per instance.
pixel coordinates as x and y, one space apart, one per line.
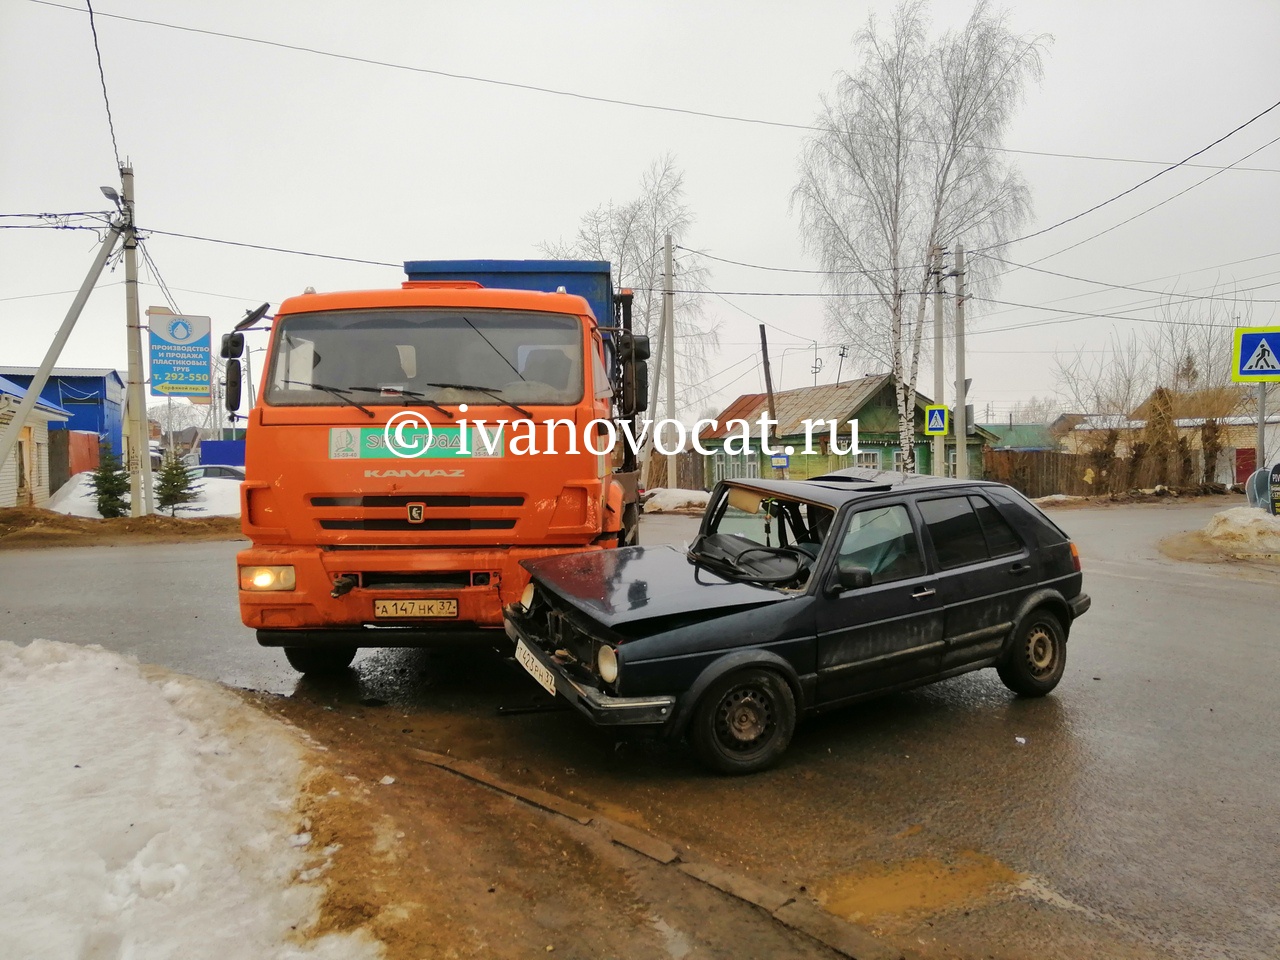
923 885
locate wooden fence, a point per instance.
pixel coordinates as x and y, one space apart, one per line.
1041 473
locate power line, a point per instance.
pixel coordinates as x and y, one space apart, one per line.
57 293
258 246
1124 193
103 77
155 272
572 94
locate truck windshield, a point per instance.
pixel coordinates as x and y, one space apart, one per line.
426 355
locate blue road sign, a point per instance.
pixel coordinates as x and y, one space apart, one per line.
937 421
1256 355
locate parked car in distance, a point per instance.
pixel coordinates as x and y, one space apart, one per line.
801 596
224 471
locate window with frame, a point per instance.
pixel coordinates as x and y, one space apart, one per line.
883 540
869 459
899 461
960 537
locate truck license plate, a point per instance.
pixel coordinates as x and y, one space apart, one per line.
415 608
535 667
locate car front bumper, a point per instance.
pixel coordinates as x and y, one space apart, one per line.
653 713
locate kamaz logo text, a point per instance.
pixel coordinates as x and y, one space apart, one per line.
381 474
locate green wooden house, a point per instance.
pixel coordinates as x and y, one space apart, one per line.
870 401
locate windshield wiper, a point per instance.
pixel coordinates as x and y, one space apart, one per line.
487 391
408 394
339 392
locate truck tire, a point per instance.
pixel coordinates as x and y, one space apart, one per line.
320 660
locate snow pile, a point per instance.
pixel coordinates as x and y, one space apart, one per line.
147 818
1244 528
215 497
1058 498
676 501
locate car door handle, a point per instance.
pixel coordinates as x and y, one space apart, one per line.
1020 568
926 592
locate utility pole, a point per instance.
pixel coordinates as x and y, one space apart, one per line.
939 358
779 473
139 436
12 433
668 310
962 428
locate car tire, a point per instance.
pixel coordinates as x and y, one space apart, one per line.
744 722
1037 655
320 660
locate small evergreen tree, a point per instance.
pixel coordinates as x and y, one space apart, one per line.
175 486
110 483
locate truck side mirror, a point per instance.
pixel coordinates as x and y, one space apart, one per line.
635 389
232 346
233 386
636 347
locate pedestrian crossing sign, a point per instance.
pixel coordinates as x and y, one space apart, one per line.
937 421
1256 355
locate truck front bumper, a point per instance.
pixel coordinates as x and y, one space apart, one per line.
653 713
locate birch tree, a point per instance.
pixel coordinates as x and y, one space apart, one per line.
631 236
905 161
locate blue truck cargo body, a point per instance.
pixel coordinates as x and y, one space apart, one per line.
588 279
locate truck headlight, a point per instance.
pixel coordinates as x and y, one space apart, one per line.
607 663
526 598
268 578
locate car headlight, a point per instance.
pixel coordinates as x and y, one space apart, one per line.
607 663
526 598
268 578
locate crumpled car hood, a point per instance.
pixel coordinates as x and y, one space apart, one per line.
632 584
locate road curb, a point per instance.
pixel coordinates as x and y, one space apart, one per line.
842 936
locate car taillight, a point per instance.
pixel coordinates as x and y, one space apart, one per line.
1075 557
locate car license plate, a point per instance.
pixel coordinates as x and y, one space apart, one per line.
415 608
535 667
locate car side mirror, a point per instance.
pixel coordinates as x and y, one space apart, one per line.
849 576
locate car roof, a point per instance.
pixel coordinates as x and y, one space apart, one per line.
841 486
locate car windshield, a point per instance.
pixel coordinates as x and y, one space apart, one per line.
762 537
426 355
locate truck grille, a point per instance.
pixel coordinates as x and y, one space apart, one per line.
440 512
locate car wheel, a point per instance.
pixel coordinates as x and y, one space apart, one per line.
320 660
1033 664
744 722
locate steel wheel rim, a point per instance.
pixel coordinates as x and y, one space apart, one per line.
1042 651
744 719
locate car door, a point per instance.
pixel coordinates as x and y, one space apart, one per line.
885 635
985 570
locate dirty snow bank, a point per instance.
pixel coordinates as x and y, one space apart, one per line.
215 497
662 500
147 817
1244 528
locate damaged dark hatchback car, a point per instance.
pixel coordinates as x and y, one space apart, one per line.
797 597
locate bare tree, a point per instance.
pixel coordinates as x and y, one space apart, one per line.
903 164
1036 410
631 236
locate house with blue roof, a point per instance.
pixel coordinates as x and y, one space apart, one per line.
24 476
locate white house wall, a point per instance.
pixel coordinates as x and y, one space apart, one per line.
40 466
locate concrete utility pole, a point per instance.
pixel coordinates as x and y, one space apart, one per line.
669 318
11 435
962 428
779 473
939 364
139 436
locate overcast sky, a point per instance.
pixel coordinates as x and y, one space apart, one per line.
243 141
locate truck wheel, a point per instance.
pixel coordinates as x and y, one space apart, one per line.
1035 660
744 722
320 660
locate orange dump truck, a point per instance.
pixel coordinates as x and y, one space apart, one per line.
407 448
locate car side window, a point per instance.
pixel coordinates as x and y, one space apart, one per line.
882 540
1001 540
955 531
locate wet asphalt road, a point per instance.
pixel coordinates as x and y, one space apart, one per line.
1135 812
